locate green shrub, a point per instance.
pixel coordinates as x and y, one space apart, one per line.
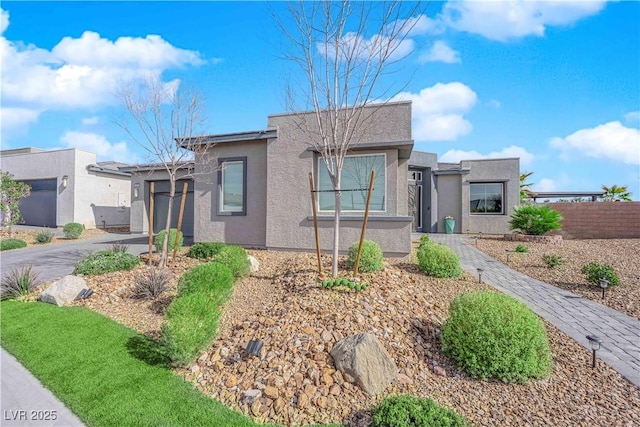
595 272
119 247
424 240
8 244
205 249
190 325
535 219
491 335
370 257
44 237
151 283
437 260
235 258
19 283
522 249
552 260
159 241
411 411
106 262
212 279
73 230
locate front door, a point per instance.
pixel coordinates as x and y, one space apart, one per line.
415 199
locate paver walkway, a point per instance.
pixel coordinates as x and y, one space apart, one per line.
572 314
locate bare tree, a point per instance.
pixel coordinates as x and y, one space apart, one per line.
343 49
166 122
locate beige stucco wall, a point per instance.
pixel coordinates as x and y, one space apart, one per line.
248 230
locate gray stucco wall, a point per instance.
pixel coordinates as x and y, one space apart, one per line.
247 230
450 199
84 188
289 211
506 171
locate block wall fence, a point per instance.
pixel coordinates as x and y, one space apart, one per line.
599 220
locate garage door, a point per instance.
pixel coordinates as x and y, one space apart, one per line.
39 208
161 206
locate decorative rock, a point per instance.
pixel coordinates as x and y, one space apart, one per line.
63 291
271 392
403 379
255 265
303 401
326 336
251 396
438 370
363 357
231 381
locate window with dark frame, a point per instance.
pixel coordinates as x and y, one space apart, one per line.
486 198
232 186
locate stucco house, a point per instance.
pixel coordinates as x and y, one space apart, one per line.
68 185
258 196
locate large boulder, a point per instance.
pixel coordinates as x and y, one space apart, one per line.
363 358
255 265
63 291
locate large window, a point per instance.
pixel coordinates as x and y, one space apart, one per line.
356 173
232 186
486 198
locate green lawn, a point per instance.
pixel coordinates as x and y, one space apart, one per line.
105 373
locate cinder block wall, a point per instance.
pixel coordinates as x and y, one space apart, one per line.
599 220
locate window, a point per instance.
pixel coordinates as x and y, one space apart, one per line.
232 186
486 198
356 173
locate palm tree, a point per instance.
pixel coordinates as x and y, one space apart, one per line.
525 192
616 192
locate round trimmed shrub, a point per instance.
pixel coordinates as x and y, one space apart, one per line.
8 244
106 262
535 219
411 411
595 272
159 241
491 335
235 258
437 260
73 230
370 257
205 249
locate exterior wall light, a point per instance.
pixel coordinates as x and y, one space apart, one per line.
480 275
603 284
136 190
65 181
508 252
594 342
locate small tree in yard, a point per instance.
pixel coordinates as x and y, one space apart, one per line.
10 193
343 49
166 122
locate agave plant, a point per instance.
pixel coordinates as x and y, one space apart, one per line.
19 283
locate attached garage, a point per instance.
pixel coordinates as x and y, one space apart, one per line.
39 208
161 206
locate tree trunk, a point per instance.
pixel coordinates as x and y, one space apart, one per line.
336 229
167 227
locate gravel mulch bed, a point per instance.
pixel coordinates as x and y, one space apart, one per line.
29 236
622 254
299 322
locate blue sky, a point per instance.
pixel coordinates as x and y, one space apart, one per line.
554 83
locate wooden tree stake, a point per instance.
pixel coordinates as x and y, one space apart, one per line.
315 222
151 197
182 203
364 223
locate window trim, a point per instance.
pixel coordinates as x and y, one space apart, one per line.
503 193
220 205
320 164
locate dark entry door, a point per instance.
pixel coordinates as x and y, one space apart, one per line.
161 206
416 199
39 208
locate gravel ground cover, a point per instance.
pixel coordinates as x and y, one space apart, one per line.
294 381
30 235
622 254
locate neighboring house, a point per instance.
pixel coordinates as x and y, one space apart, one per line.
69 186
258 196
141 178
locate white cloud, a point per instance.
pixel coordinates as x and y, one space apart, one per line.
82 72
545 184
16 118
438 111
611 141
98 144
4 20
494 103
455 156
502 20
90 121
632 116
352 45
440 52
421 25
